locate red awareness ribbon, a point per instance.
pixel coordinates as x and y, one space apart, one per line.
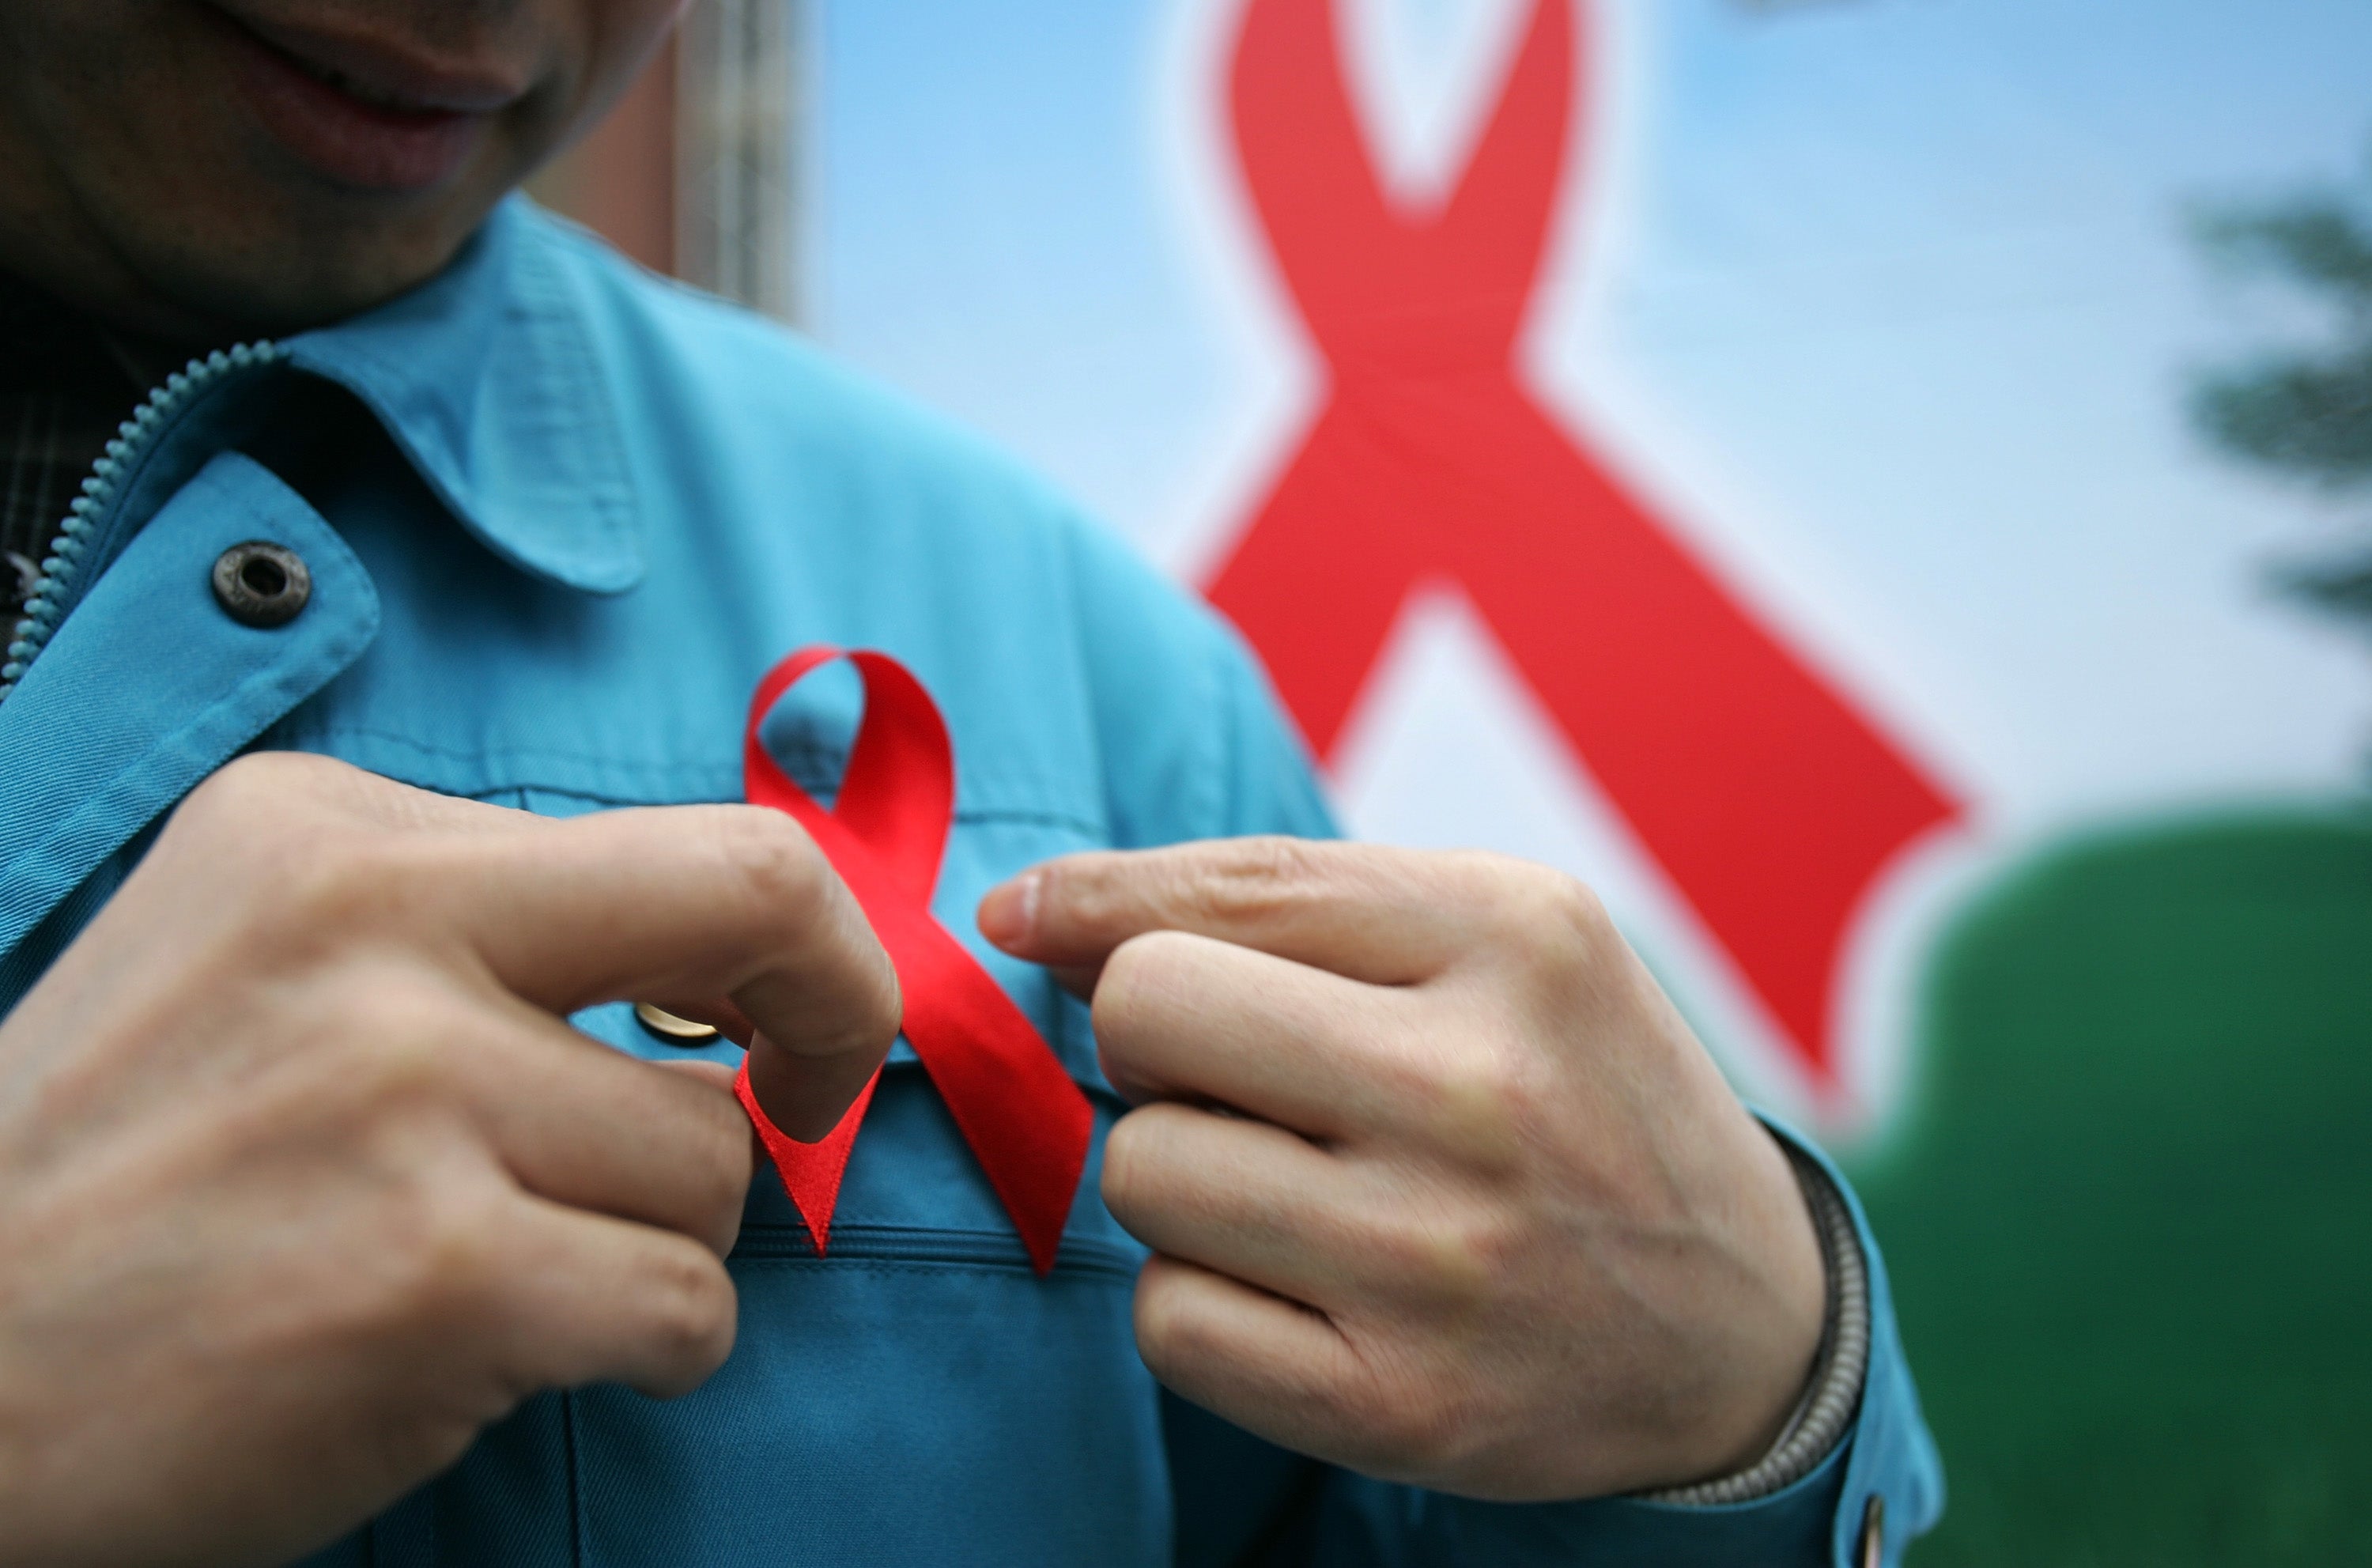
1028 1124
1769 801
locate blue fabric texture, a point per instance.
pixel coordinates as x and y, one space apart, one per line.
560 517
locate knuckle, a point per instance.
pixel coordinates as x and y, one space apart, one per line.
340 1059
1405 1424
1166 1338
776 865
1478 1076
882 1010
324 882
1476 1257
1131 1181
1152 956
1550 908
688 1306
1121 1175
1485 1098
1418 1424
418 1060
258 824
402 1061
1461 1260
1403 1252
440 1251
267 801
1259 879
720 1169
1430 1427
1574 909
1553 935
1135 979
259 781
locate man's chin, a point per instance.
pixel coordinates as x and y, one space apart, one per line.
273 267
312 275
210 169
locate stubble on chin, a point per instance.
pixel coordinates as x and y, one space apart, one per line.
136 183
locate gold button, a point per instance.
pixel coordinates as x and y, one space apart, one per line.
1873 1533
675 1030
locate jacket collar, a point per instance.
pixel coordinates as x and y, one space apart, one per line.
488 378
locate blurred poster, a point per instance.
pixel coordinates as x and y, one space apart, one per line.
1881 489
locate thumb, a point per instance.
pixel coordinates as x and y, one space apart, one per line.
803 1093
806 1096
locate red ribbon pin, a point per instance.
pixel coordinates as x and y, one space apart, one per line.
1028 1124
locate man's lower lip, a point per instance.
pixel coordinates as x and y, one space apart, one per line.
354 143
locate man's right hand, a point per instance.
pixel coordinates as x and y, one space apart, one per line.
303 1180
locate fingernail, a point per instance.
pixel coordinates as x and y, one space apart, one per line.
1010 913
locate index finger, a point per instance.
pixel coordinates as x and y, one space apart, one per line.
1364 911
728 902
722 902
680 901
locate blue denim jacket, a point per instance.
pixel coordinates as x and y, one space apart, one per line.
559 519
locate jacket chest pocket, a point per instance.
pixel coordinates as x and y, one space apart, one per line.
917 1395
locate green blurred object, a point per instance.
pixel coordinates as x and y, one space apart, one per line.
2129 1221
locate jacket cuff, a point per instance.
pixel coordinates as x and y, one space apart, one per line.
1831 1395
1893 1485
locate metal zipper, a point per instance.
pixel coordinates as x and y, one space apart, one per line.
61 581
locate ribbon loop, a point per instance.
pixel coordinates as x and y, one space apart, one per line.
1026 1122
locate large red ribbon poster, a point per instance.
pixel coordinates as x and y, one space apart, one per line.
1770 802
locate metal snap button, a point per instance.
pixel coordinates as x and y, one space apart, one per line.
1873 1535
674 1030
261 584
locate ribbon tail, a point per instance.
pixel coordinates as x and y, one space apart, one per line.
1028 1124
811 1172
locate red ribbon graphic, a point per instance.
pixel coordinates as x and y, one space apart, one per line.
1769 801
1028 1124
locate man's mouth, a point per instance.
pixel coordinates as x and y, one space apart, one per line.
368 113
357 89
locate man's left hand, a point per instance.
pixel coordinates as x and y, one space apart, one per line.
1440 1187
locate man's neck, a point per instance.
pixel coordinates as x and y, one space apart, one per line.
65 382
48 345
